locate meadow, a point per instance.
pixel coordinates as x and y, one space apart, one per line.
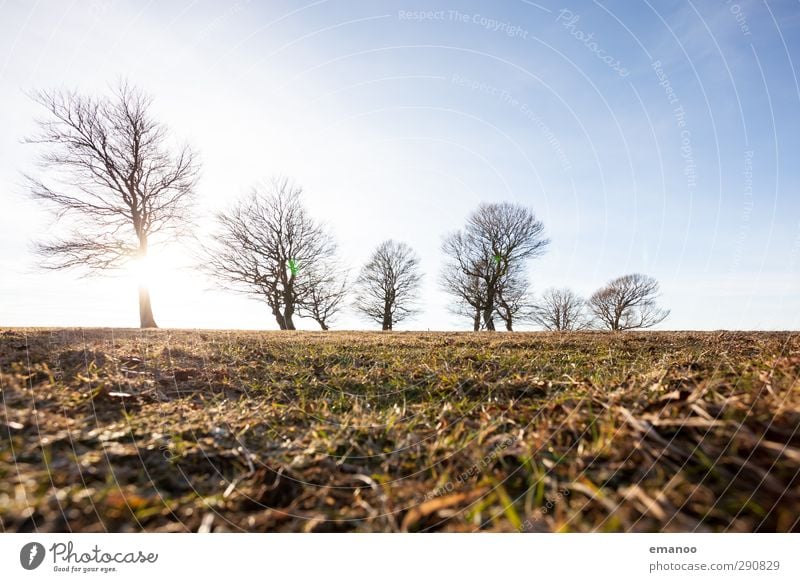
165 430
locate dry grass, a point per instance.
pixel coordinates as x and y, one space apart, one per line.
226 431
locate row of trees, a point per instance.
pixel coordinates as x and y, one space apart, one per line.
268 246
111 172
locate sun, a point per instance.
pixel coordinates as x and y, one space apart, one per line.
175 281
160 273
142 270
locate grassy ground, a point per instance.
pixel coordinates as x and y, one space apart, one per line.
125 430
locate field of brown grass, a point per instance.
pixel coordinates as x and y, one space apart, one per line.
124 430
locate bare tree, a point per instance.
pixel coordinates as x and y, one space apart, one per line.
628 302
561 310
469 291
269 247
114 180
493 247
513 302
387 287
326 292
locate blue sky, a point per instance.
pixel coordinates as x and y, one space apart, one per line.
659 137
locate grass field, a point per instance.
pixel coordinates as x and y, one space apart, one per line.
122 430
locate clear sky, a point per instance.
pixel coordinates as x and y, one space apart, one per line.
654 136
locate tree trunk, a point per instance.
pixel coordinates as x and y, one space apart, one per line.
323 325
488 310
279 318
387 317
145 308
287 317
476 321
288 303
146 318
617 318
509 326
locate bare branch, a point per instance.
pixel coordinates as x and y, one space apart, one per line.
108 165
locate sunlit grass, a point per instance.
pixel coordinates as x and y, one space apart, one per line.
385 432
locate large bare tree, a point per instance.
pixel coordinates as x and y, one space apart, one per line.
628 302
111 176
387 287
493 249
269 247
561 310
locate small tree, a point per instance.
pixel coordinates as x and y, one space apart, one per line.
327 289
513 302
387 287
628 302
115 180
269 247
561 310
493 248
469 291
